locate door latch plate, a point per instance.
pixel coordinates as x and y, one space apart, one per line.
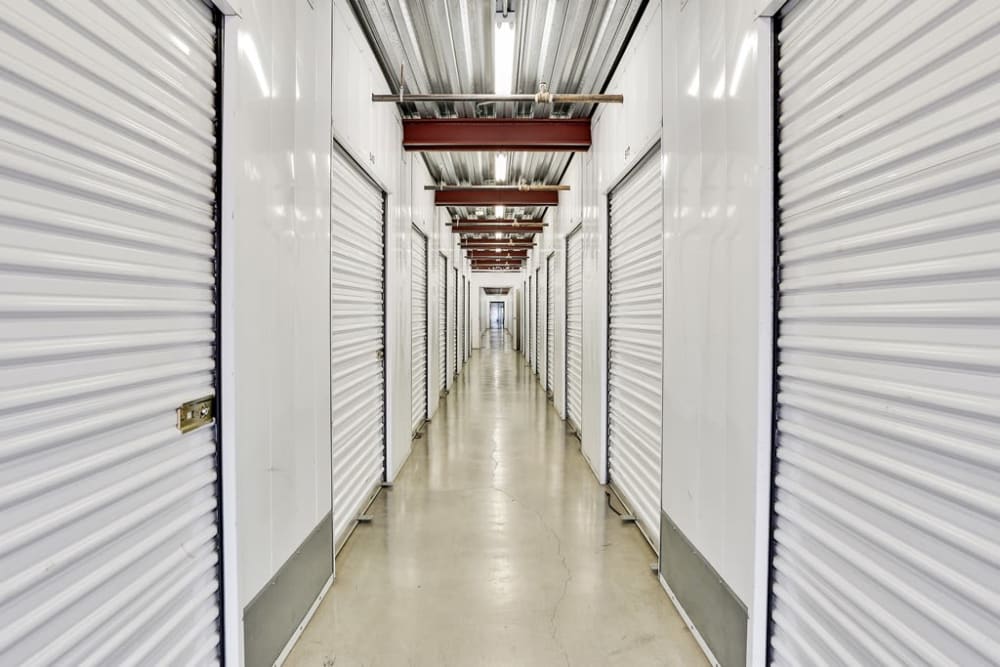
195 414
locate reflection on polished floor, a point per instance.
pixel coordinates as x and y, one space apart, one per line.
495 547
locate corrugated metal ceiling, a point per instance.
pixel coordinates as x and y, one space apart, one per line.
446 46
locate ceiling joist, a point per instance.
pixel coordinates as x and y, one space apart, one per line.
480 196
498 253
497 243
496 134
495 221
514 228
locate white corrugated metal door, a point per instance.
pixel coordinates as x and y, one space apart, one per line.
528 353
548 323
443 321
887 488
454 325
108 513
524 319
574 331
418 329
357 342
635 342
461 319
537 321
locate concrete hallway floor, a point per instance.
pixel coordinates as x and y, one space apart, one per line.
496 546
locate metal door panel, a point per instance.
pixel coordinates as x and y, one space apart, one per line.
418 329
109 540
574 330
443 320
635 342
461 320
537 324
548 323
886 522
454 324
357 340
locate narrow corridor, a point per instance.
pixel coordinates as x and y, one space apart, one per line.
496 546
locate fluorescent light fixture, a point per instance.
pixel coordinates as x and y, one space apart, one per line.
498 211
500 168
498 249
503 57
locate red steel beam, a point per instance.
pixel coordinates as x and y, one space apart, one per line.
493 245
495 257
497 221
496 134
493 229
496 197
496 243
490 253
499 260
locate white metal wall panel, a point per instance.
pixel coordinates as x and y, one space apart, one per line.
357 339
548 323
887 501
574 330
108 532
635 342
418 329
443 320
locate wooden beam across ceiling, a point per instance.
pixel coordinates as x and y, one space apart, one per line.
496 134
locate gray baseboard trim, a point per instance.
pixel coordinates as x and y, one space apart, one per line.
274 615
718 614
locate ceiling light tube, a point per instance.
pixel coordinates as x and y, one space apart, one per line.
500 168
503 56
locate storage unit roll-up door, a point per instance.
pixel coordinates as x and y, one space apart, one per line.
528 353
887 488
574 331
357 339
548 323
418 329
443 321
454 325
537 321
108 512
635 342
461 319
